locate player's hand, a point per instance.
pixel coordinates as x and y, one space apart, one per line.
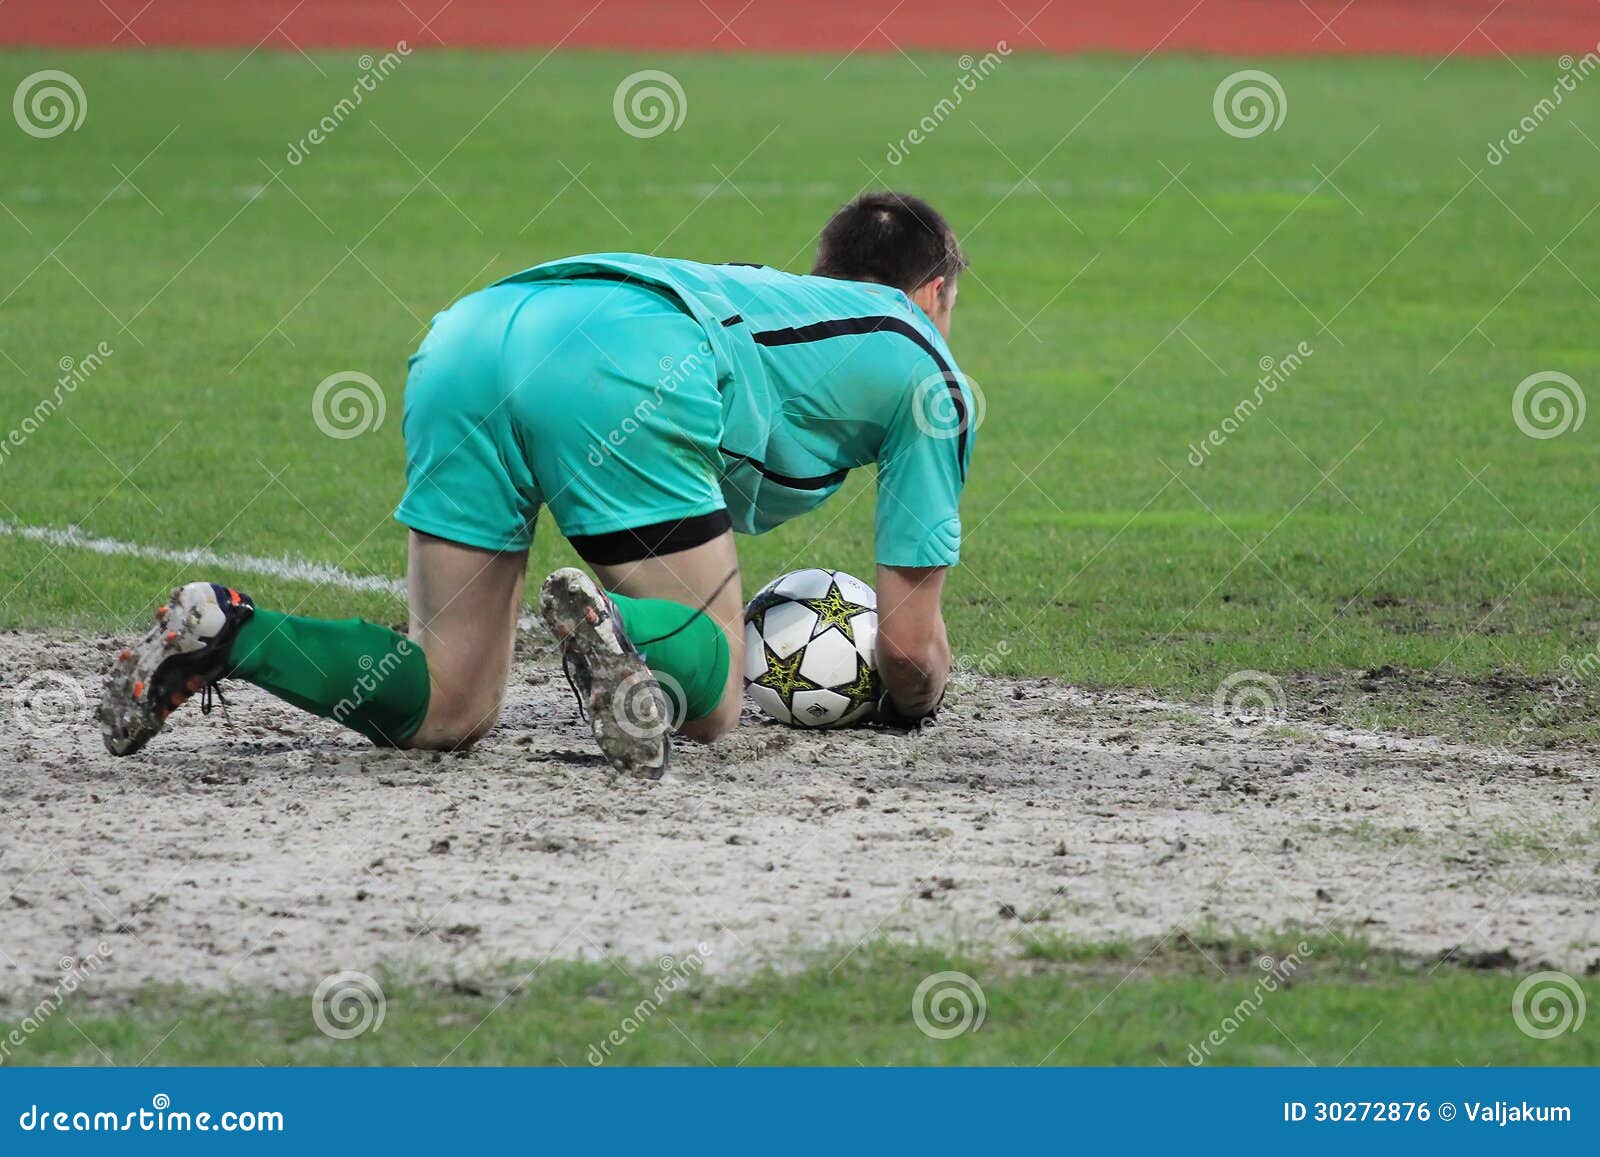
912 653
889 715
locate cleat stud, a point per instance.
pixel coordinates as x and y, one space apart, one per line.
125 656
138 689
171 636
590 614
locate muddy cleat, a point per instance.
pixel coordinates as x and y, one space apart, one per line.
616 692
185 653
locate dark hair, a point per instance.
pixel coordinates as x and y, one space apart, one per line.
891 238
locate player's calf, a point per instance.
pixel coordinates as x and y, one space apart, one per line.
364 676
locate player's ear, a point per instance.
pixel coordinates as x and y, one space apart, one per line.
927 294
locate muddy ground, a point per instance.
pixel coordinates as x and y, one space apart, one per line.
270 848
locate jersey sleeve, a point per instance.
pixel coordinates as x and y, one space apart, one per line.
922 468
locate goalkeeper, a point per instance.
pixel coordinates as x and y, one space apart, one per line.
655 407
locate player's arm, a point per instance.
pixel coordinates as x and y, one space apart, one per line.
921 472
913 650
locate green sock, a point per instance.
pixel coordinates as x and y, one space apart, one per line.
367 677
685 646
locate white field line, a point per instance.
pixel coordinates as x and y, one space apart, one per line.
285 567
303 570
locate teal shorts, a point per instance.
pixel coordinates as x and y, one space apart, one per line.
595 398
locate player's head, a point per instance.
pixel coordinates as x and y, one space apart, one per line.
895 239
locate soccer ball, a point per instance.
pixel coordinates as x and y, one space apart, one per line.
809 638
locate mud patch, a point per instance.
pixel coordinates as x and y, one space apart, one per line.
270 848
1500 709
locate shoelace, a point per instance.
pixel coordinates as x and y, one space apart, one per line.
207 693
567 659
566 669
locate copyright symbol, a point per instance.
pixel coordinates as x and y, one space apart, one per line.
1447 1111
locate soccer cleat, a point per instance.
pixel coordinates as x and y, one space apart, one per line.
184 653
616 692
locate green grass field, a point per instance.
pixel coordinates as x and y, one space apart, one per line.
1063 1004
1381 508
1132 266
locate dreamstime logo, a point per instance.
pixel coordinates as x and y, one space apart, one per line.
940 408
47 703
1274 373
972 72
1576 672
348 404
947 1004
1249 103
74 972
674 372
1250 696
373 73
74 372
372 677
1573 73
646 702
347 1004
1276 973
48 103
676 973
648 103
1547 1004
966 673
1550 411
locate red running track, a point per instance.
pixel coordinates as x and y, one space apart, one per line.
1243 27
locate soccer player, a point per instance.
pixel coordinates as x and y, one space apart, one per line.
654 406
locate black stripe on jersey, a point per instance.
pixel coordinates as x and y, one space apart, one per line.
820 482
734 320
616 275
854 326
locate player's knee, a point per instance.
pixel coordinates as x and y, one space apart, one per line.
455 722
723 719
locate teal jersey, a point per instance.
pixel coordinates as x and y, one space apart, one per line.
816 378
